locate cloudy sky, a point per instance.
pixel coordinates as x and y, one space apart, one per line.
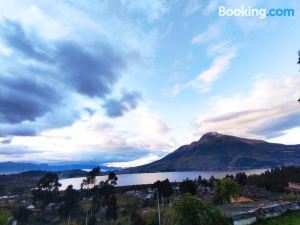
125 82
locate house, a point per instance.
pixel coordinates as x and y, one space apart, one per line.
294 187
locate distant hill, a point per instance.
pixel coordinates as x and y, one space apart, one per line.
18 167
215 151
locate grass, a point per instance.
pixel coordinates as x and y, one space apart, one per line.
4 215
289 218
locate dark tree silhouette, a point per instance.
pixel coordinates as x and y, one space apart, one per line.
188 186
164 188
241 178
70 200
90 178
47 190
22 214
104 197
277 179
112 178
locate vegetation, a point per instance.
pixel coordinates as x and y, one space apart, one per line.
164 189
289 218
277 179
104 203
188 186
192 211
225 190
70 201
4 215
47 190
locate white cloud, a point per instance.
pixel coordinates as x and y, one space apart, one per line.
210 7
212 32
205 79
270 110
154 9
218 48
220 64
192 6
139 134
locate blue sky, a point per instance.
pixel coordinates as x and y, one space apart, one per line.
126 82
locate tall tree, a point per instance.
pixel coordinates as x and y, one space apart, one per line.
90 179
47 190
241 178
104 197
164 189
70 200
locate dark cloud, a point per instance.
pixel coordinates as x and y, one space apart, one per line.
30 93
276 128
90 74
6 141
117 107
15 36
23 99
125 154
18 130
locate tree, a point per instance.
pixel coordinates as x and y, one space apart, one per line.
188 186
277 179
202 182
226 189
241 178
47 189
164 188
211 181
112 178
192 211
90 178
22 214
104 197
70 200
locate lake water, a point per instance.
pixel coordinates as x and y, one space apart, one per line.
150 178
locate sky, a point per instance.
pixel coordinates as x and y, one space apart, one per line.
123 83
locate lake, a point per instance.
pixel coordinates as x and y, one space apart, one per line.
150 178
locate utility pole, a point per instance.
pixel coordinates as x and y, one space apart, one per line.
69 219
158 208
86 218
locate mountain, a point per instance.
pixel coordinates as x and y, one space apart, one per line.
18 167
215 151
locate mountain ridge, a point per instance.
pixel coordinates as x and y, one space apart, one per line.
215 151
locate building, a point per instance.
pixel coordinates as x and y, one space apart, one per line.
294 187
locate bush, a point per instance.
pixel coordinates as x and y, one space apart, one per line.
192 211
291 197
226 189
